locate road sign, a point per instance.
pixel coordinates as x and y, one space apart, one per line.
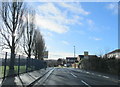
46 54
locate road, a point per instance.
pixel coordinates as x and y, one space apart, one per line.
72 77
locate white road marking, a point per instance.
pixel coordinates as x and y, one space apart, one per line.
92 73
87 72
73 75
99 75
80 70
105 77
85 83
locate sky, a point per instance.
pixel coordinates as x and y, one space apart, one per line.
89 26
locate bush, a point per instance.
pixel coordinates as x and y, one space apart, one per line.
113 65
109 65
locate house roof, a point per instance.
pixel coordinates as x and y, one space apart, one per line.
117 50
92 56
81 56
71 57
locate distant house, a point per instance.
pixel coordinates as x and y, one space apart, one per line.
115 53
85 56
80 57
71 60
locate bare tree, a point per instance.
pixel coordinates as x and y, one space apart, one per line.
29 33
39 46
12 27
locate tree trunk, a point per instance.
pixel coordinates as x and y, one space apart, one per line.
12 58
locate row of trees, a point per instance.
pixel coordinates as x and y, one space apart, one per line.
55 63
18 31
61 61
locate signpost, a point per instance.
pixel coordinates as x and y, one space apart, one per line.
45 54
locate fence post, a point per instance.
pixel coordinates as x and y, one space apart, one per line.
26 64
18 64
30 64
5 66
33 64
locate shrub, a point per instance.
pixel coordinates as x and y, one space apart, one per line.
109 65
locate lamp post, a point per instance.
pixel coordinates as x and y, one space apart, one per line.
74 56
74 51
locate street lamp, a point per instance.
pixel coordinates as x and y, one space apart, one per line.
74 56
74 51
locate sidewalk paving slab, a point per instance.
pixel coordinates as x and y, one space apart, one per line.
24 79
28 78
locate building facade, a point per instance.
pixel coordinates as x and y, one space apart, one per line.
70 61
115 54
85 56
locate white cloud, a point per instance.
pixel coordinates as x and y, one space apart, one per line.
67 0
90 22
65 42
47 35
74 7
52 18
50 25
91 25
49 9
81 32
113 7
56 55
95 38
94 26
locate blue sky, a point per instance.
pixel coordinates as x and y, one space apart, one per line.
90 26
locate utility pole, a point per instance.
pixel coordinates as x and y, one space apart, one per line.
74 51
74 57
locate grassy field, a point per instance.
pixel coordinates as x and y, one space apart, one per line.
22 70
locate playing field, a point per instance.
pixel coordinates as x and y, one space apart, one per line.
22 70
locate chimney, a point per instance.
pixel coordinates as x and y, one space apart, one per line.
85 53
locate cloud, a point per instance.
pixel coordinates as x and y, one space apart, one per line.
113 7
91 25
56 18
56 55
47 35
65 42
90 22
74 7
95 38
81 32
51 25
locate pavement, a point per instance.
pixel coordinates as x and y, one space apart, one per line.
26 79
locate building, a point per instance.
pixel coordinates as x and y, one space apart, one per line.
115 53
85 56
80 57
70 61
